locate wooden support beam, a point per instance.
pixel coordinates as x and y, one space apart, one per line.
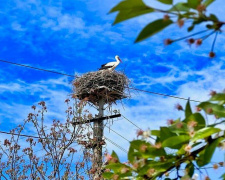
97 119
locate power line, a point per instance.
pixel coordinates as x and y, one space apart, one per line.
136 125
46 70
177 97
115 144
25 135
30 136
131 122
117 133
40 69
35 136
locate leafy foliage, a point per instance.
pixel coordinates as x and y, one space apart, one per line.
130 9
185 144
191 11
149 31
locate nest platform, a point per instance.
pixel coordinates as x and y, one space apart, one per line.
107 85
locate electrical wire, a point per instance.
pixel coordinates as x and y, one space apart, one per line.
176 97
40 69
25 135
30 136
36 136
46 70
115 144
135 125
131 122
117 133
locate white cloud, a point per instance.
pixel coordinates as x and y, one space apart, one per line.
53 91
17 27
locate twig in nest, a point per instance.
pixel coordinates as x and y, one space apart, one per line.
107 85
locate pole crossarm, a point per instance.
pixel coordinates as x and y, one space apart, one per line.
96 119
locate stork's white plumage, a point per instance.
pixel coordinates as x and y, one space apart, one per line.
111 65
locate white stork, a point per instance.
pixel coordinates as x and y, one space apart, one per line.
111 65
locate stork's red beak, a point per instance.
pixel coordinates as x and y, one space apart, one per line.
120 59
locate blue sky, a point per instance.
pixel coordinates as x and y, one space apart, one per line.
77 36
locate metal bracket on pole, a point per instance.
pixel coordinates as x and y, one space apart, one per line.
96 119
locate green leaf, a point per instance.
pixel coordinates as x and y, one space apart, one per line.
188 111
179 127
199 20
153 28
153 152
190 169
193 3
209 150
200 159
165 133
218 110
191 28
223 176
188 14
218 96
127 5
157 165
214 18
131 154
166 1
185 177
206 154
129 9
155 133
208 2
116 167
181 151
209 26
107 175
125 175
197 117
179 7
114 155
135 144
176 142
205 132
150 152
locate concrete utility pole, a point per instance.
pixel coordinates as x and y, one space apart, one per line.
97 136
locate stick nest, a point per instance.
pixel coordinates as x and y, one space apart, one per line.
107 85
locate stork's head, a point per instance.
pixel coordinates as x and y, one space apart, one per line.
117 58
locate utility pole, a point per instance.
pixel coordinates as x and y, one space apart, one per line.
99 88
97 136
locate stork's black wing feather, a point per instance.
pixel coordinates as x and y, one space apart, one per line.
105 67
